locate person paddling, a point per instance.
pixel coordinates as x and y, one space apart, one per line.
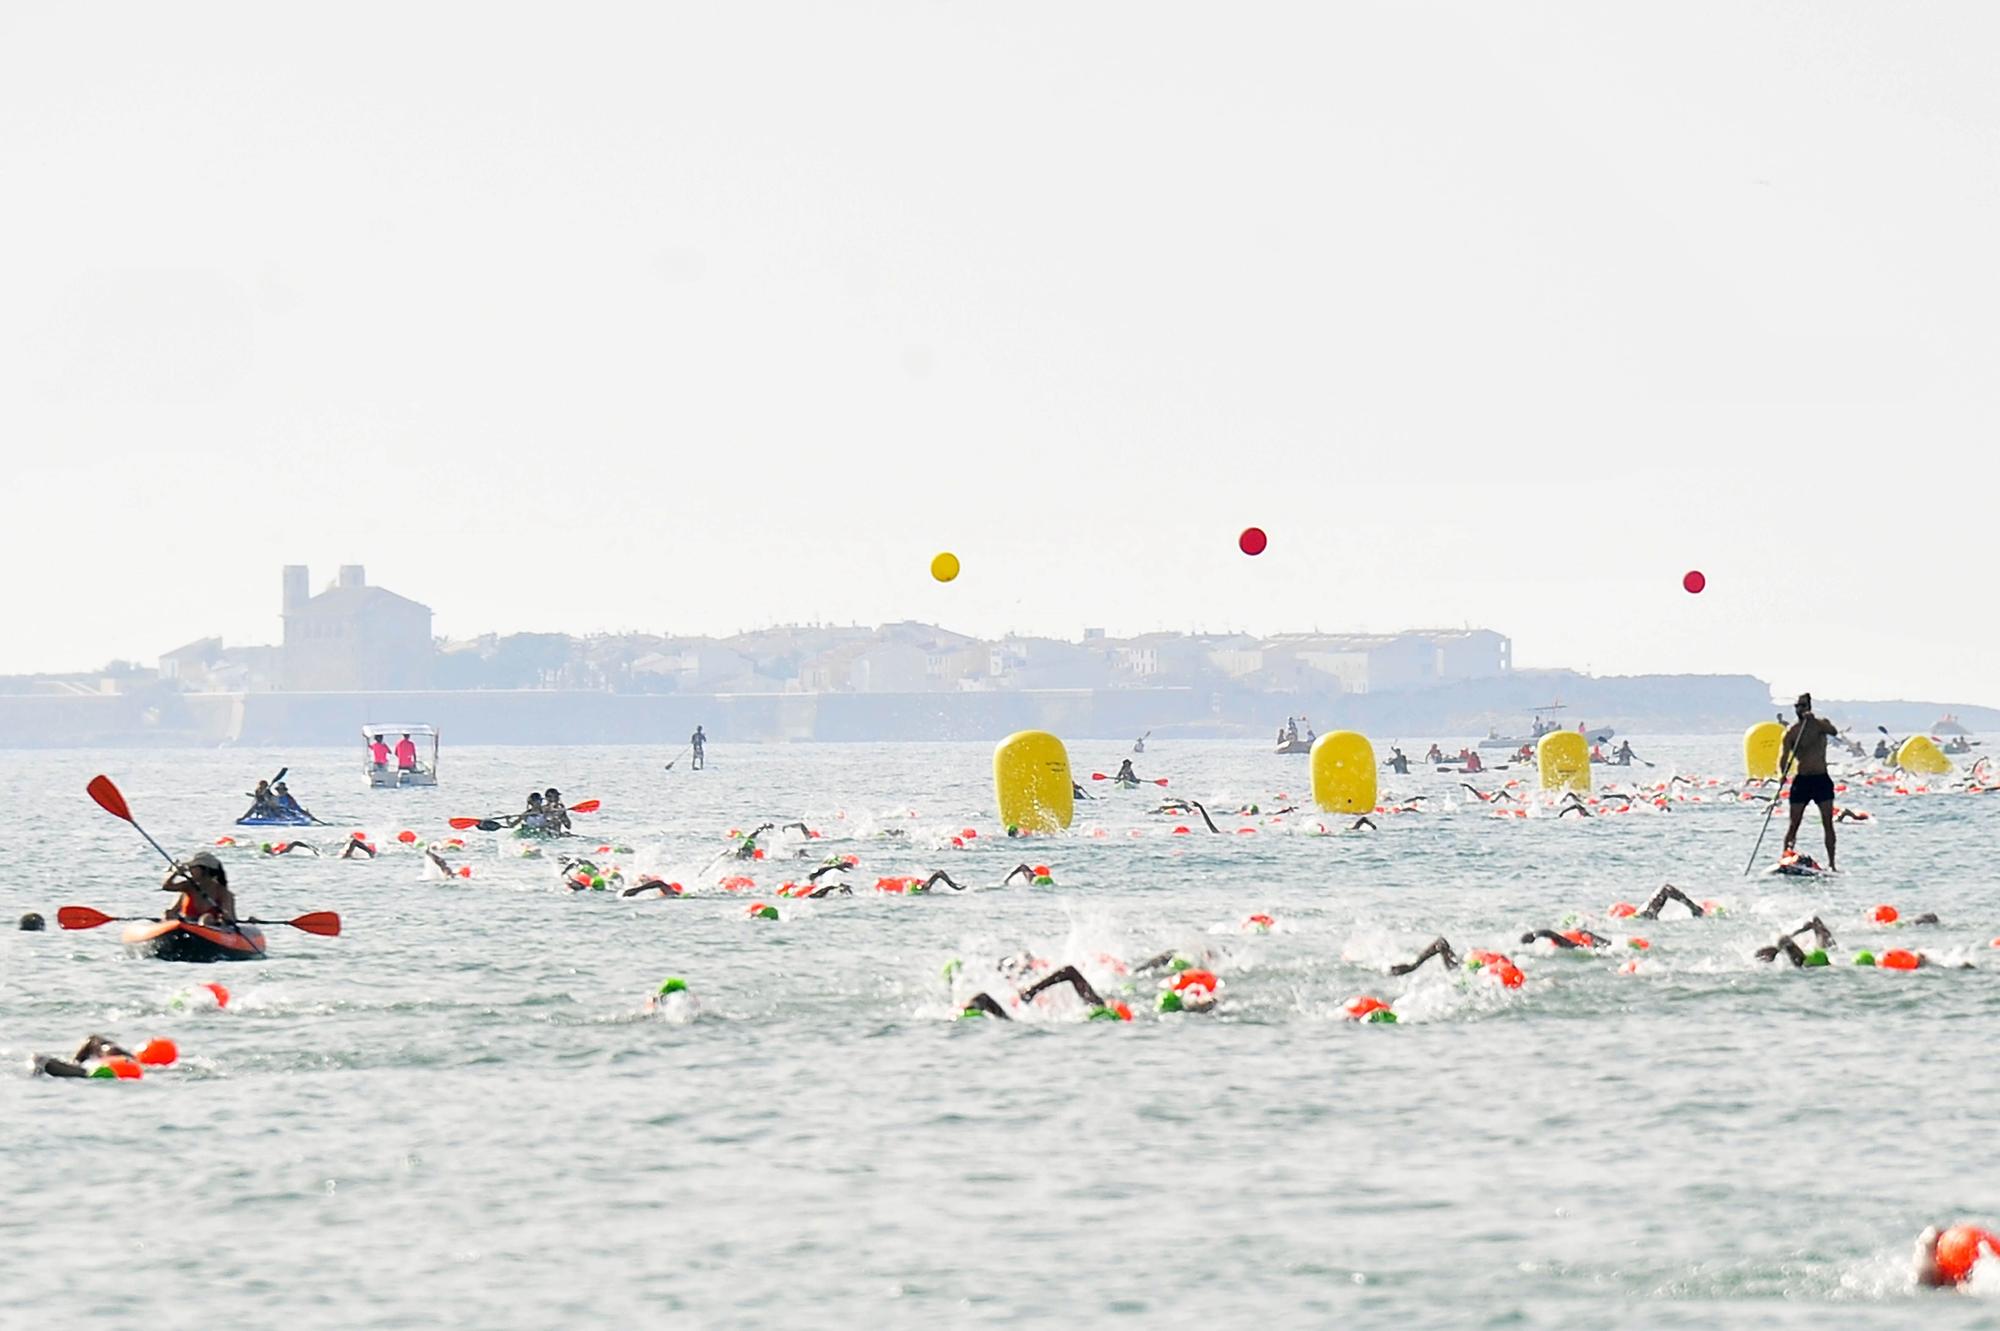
203 885
1805 744
698 742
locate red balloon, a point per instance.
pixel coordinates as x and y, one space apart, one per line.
1694 581
1252 541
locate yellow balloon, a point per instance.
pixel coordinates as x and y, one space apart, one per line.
945 567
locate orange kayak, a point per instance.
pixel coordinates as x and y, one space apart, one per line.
178 940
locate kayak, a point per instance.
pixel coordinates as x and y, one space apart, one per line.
178 940
540 833
275 820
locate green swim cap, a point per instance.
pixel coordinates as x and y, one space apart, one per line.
1816 957
1473 963
971 1012
1864 958
1382 1014
1169 1001
1044 880
768 913
101 1071
1180 963
1105 1014
673 984
597 884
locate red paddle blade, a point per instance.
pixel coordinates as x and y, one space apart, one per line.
462 823
322 922
108 797
1099 776
588 806
1160 781
82 917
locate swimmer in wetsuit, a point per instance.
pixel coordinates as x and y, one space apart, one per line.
93 1053
984 1004
1667 893
1805 742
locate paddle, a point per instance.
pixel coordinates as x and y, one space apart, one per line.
323 922
1156 780
682 754
500 820
1765 829
112 801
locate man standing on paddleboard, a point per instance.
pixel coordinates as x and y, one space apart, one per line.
1805 743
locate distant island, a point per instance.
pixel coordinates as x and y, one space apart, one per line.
356 654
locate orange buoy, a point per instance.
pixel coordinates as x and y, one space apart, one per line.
406 836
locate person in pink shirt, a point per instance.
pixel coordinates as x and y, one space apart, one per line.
378 752
406 754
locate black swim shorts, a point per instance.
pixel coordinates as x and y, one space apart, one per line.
1812 788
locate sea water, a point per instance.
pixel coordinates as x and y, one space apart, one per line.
459 1112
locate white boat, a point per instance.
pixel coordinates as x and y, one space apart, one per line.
1949 726
1543 725
389 776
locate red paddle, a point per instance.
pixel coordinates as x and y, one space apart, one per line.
322 922
112 801
1156 780
462 824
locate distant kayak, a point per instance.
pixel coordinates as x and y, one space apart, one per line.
275 820
178 940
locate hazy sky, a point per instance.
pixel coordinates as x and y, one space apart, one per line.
698 317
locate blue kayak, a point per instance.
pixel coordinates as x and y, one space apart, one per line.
275 820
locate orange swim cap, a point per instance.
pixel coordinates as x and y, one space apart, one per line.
1896 959
1885 915
1960 1248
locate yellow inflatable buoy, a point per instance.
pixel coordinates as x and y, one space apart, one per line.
1762 744
944 567
1564 757
1343 772
1921 754
1032 783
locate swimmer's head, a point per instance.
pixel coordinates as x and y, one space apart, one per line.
32 923
673 984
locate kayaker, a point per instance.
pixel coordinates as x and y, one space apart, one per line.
378 752
555 817
1624 755
203 885
406 754
1881 750
1805 742
1126 776
1436 755
262 803
286 804
698 742
530 817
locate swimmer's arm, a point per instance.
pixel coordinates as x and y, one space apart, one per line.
1660 898
940 877
1552 936
1821 934
984 1003
1793 952
1154 963
1071 976
828 889
1196 804
838 866
1363 821
1438 947
803 829
1019 871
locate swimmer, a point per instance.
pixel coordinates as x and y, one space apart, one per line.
356 845
983 1004
654 883
1437 947
434 858
1485 798
32 923
1667 893
1945 1257
291 847
1030 873
92 1053
1805 741
1363 821
1574 938
1853 816
747 848
1795 954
